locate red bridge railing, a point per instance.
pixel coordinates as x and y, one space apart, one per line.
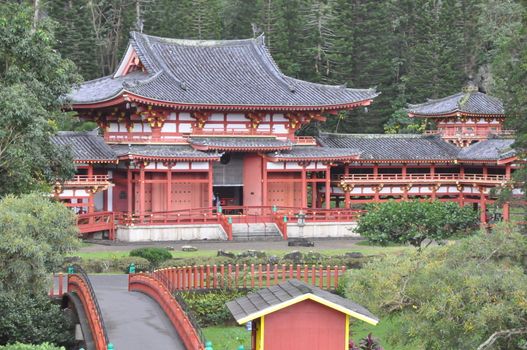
79 283
248 276
157 290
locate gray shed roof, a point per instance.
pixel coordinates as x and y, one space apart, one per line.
208 72
392 147
239 143
85 146
163 152
491 149
315 153
471 102
267 300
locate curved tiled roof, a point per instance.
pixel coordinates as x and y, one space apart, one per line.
216 73
491 149
468 103
85 146
392 147
181 152
239 143
315 153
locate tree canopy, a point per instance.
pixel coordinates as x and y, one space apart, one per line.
451 297
414 222
33 76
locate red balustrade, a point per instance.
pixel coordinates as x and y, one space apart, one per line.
88 179
423 177
159 291
97 222
244 276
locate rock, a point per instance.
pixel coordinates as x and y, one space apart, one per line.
170 248
294 256
300 242
312 257
227 254
354 255
253 254
273 259
189 248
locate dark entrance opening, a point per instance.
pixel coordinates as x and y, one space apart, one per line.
228 195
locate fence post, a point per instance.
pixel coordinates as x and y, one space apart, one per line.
313 275
207 277
244 276
283 272
222 276
268 275
215 277
328 277
259 275
236 275
275 274
320 276
252 276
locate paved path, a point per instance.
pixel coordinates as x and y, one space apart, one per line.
133 320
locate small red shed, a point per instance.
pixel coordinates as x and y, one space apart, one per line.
296 316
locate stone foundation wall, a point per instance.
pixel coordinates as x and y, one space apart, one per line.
169 233
322 229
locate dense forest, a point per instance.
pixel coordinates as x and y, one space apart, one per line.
410 50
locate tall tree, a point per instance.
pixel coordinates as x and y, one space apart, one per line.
32 78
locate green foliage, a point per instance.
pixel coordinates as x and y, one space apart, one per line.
451 297
32 78
209 307
153 254
413 222
32 319
35 233
20 346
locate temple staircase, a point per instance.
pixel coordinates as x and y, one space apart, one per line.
256 231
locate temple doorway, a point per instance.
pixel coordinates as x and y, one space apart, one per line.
228 195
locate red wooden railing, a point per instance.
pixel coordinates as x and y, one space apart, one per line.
87 179
79 284
96 222
424 177
157 290
305 140
248 276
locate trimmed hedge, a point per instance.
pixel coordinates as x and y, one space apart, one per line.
153 254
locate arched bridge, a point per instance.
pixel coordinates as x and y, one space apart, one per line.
109 311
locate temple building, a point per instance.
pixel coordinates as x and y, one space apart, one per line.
199 139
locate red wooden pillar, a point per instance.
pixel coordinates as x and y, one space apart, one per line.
141 189
485 171
169 187
508 171
506 211
210 185
403 171
461 171
328 186
375 169
129 189
264 182
347 196
304 186
91 204
432 169
482 206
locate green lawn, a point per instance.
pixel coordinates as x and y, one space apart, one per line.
226 338
364 249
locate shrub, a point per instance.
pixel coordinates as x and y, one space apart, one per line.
123 264
33 319
209 307
153 254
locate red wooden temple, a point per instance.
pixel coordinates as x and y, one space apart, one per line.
199 139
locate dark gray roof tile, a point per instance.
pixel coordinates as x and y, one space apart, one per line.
392 147
84 146
491 149
239 143
315 153
162 151
472 102
265 298
207 72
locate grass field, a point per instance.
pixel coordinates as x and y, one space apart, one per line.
364 249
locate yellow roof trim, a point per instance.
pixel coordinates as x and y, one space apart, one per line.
303 297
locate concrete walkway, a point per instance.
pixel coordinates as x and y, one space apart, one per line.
133 320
